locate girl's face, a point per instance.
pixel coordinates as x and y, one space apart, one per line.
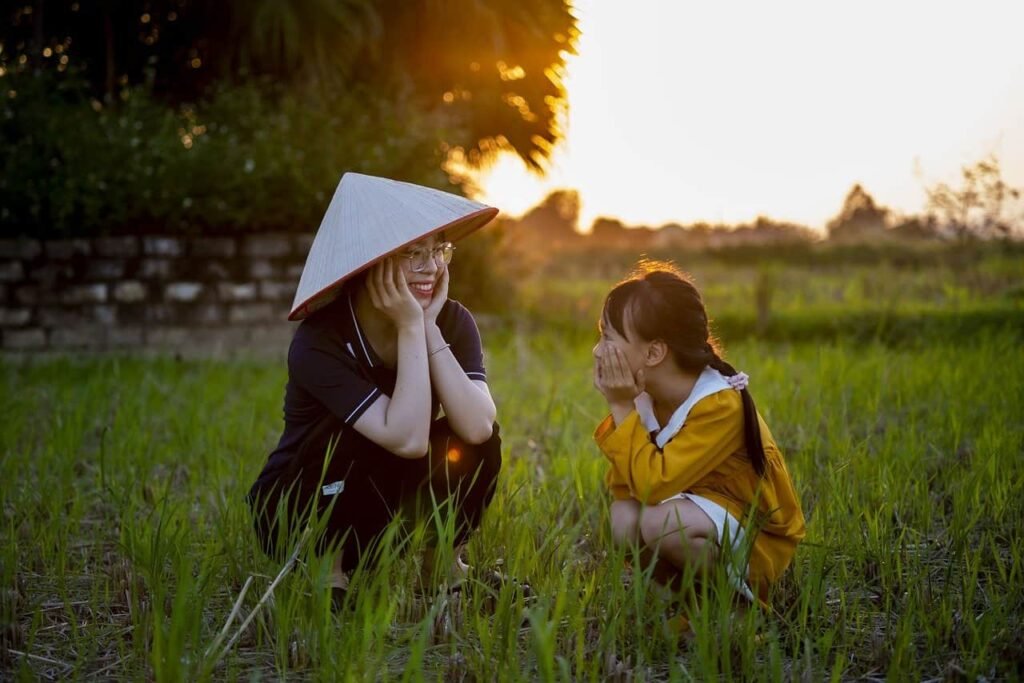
633 348
423 265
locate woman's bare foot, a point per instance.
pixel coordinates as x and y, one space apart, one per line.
459 569
455 574
338 582
339 577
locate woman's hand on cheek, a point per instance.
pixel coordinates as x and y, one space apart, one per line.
431 312
389 293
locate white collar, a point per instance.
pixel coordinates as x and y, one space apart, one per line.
709 382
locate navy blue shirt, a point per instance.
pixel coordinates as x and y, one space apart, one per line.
334 375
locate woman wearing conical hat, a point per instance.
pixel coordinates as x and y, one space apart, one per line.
381 351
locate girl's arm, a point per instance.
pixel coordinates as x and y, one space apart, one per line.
713 431
400 424
467 403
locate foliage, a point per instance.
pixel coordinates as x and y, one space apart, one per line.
494 68
983 205
238 160
850 293
859 218
483 274
587 262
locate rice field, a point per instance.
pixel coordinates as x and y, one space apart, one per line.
125 543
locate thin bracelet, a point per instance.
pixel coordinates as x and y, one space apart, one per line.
439 350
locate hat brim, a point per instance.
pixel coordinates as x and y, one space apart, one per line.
454 231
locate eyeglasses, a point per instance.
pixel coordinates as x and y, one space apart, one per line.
419 258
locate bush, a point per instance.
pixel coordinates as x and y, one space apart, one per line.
484 274
246 158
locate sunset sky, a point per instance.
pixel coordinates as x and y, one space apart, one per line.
721 111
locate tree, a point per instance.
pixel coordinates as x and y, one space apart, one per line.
859 218
982 206
916 228
492 68
608 233
554 220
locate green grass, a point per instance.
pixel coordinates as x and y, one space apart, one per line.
834 302
125 539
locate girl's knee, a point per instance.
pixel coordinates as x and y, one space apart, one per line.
657 527
680 543
625 520
699 548
653 529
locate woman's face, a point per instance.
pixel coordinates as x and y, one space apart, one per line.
423 281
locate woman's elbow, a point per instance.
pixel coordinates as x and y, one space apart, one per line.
411 449
478 433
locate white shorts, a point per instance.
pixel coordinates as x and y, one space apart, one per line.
729 531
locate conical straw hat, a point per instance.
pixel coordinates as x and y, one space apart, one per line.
370 218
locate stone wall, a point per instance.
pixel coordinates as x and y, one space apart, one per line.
209 294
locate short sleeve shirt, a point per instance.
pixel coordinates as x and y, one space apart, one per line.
334 375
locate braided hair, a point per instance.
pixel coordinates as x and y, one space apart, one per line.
663 303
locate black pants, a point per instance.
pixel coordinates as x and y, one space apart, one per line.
359 488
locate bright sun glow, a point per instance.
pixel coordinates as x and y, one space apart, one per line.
723 111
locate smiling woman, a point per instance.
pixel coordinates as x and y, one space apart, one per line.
721 112
380 350
419 259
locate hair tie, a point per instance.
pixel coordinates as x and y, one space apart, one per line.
739 381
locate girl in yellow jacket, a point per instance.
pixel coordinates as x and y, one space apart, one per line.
696 476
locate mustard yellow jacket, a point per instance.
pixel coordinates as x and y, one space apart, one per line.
707 457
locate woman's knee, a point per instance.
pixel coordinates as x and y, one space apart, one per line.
484 460
460 460
490 451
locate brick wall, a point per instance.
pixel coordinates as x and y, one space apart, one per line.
190 294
